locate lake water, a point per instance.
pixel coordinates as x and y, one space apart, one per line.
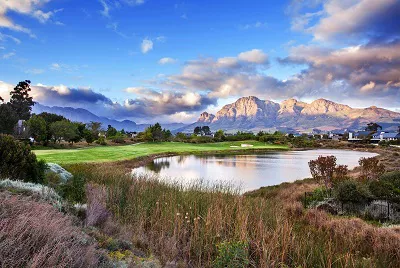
247 171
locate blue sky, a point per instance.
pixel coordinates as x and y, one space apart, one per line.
170 60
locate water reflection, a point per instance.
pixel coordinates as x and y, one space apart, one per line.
250 171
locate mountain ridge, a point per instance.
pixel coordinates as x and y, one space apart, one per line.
252 113
85 116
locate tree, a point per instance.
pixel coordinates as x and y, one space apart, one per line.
20 100
324 170
167 134
206 130
219 135
17 162
156 132
37 128
63 130
8 119
373 127
50 118
111 131
370 168
95 128
197 130
87 134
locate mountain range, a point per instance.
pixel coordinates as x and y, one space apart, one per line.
84 116
252 113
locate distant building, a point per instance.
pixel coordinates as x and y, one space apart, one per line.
385 136
359 135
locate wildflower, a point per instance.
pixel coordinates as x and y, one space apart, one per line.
178 214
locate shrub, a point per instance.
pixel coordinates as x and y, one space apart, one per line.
101 140
17 162
352 191
232 254
325 171
74 189
35 234
370 168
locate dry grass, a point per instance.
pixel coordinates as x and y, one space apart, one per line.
185 224
35 234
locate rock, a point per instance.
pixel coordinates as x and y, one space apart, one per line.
60 171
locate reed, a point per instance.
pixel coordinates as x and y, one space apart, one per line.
187 223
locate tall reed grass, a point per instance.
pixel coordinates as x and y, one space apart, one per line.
186 223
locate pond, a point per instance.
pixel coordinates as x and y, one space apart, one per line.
247 171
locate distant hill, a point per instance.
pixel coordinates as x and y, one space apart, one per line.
252 113
84 116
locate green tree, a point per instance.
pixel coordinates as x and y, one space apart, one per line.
167 134
197 131
206 130
219 135
17 162
111 131
8 119
88 136
63 130
95 128
20 100
50 118
37 128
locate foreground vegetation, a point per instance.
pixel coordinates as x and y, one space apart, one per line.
118 153
205 226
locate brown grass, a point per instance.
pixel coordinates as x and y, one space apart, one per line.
35 234
187 223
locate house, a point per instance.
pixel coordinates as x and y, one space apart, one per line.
385 136
359 135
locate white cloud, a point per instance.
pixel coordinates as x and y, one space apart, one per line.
106 9
146 46
26 7
4 37
8 55
34 71
256 25
254 56
5 90
167 60
368 87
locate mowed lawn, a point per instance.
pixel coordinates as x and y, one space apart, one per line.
127 152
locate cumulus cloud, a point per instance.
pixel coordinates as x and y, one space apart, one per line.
167 60
350 19
26 7
146 46
150 102
254 56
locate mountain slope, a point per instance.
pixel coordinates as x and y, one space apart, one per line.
251 113
84 116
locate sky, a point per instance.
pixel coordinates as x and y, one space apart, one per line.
168 61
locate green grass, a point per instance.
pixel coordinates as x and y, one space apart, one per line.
128 152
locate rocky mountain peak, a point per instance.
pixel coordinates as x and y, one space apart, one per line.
206 117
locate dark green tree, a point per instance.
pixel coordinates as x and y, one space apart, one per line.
20 100
111 131
219 135
197 130
373 127
8 119
17 162
205 130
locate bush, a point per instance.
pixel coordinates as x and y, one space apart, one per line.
387 187
232 254
74 189
17 162
352 191
35 234
101 140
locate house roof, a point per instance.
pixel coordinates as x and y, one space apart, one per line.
390 135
